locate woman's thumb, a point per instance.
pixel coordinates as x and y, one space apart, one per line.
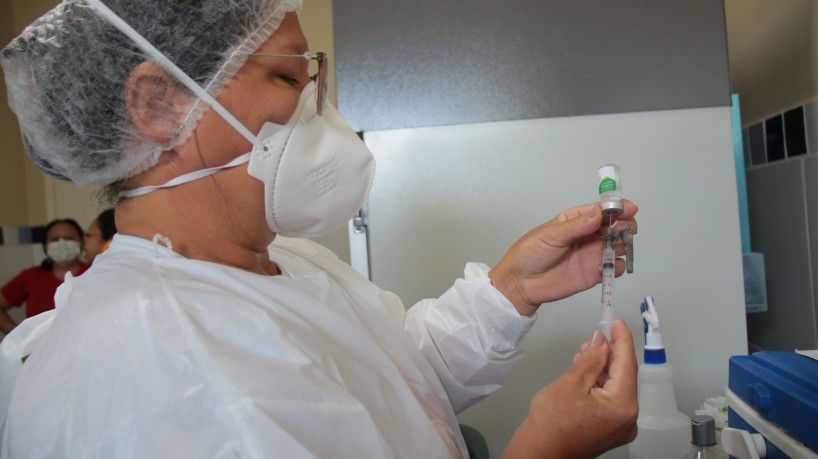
591 361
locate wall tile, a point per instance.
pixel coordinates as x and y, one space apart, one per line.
811 115
758 149
745 140
794 132
774 136
24 235
11 235
37 234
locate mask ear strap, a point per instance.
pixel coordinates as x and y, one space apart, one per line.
184 178
167 65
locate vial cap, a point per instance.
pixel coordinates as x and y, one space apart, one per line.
612 207
703 428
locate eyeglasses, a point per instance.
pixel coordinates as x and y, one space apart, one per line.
320 78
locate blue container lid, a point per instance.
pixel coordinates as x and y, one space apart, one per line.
782 387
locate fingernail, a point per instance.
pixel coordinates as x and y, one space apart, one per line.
591 213
598 339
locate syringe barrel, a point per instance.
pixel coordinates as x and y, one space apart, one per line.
606 305
608 273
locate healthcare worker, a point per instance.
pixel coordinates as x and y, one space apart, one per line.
211 327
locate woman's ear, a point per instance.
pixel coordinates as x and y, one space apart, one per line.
154 101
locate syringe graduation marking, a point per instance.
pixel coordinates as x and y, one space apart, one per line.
607 281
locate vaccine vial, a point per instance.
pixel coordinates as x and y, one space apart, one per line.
610 189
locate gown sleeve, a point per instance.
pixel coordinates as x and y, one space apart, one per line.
471 336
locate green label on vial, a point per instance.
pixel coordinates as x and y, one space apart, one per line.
607 184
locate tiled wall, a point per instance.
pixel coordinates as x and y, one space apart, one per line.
13 235
786 135
781 154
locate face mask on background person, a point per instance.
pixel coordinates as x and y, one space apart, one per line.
316 170
63 251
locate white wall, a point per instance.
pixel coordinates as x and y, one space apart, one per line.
446 195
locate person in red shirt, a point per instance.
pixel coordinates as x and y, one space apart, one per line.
36 286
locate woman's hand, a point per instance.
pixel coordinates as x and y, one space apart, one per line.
559 258
588 410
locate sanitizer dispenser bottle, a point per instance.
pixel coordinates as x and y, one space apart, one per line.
664 432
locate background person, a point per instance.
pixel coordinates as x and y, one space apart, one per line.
36 286
216 328
99 234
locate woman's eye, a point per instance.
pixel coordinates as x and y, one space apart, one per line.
290 80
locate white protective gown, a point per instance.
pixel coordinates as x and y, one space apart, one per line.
152 355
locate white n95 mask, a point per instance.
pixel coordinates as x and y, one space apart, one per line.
316 170
63 251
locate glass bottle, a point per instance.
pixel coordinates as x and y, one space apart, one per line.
703 429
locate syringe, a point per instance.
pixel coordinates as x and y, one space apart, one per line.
608 272
610 200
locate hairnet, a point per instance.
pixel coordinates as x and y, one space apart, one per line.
66 77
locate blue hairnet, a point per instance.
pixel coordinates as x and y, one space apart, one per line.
66 77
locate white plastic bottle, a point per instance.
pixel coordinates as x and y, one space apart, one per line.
664 432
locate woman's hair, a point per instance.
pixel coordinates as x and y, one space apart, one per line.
48 264
106 223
